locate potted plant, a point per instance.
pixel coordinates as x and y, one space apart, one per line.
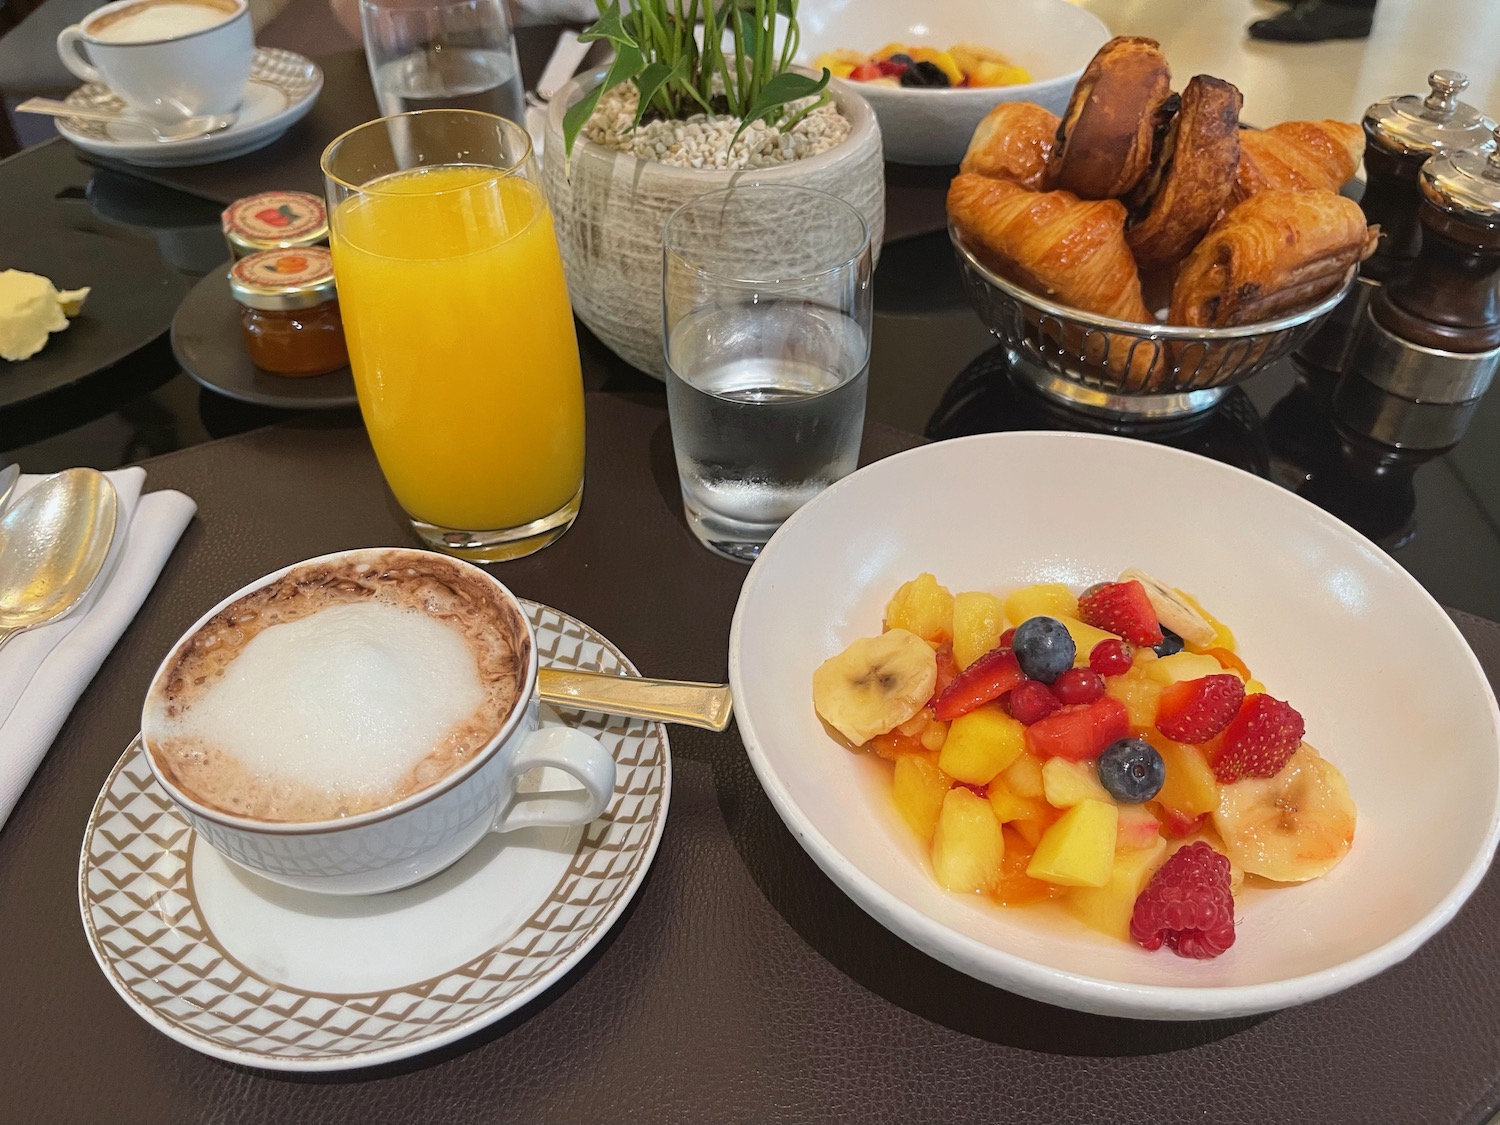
701 94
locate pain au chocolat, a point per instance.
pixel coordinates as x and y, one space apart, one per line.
1191 178
1114 122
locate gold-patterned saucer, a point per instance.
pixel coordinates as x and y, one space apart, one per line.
258 974
282 89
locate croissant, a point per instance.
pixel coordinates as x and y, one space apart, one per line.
1274 253
1056 245
1012 143
1298 156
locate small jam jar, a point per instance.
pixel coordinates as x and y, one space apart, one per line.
274 220
290 311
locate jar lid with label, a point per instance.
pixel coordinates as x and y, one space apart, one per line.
273 220
1466 184
1419 126
284 280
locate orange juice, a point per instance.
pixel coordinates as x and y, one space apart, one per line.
461 340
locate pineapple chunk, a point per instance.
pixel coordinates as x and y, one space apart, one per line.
1108 908
1067 783
1182 666
1190 788
922 607
919 788
1140 693
981 744
967 847
1023 777
1079 850
998 74
1046 599
1010 806
978 621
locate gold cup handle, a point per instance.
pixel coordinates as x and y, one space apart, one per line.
668 701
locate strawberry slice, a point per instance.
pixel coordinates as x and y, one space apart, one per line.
1196 710
1258 741
1079 732
947 670
989 677
1121 608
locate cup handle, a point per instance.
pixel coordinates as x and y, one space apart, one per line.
577 755
72 55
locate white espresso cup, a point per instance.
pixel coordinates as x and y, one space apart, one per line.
166 59
416 837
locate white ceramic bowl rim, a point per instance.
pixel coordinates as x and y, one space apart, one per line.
1090 993
384 812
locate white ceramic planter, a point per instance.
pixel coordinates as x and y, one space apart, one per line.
609 208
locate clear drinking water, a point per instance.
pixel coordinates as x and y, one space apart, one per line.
439 77
759 432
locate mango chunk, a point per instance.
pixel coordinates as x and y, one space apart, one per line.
1191 787
1079 850
1023 777
981 744
967 847
1108 908
1182 666
918 788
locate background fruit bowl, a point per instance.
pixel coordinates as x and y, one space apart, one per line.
1389 689
1052 39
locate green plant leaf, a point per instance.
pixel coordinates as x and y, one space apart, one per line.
628 63
651 79
610 25
778 92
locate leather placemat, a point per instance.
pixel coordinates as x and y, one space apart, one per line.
741 985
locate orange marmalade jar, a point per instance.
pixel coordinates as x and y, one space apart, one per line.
290 311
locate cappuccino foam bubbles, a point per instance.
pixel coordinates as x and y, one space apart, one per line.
337 691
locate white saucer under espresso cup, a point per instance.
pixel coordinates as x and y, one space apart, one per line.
414 837
167 59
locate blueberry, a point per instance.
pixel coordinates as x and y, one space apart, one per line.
1044 648
903 58
1132 771
925 74
1171 643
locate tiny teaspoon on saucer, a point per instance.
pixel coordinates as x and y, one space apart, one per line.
53 543
187 129
668 701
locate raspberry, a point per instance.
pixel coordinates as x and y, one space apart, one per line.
1111 658
1187 905
1258 741
1196 710
1030 701
1121 608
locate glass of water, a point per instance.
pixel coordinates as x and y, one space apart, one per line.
767 304
441 54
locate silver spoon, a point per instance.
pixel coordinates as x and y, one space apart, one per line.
668 701
53 543
185 130
8 477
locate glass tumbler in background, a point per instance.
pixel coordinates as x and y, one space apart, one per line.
459 328
441 54
767 307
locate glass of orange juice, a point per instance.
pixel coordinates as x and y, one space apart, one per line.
459 328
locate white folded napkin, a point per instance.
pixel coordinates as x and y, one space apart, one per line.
44 670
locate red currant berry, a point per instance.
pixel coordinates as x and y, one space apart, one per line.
1078 685
1006 637
1031 700
1111 658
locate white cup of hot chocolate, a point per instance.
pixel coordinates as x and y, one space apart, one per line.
166 59
356 723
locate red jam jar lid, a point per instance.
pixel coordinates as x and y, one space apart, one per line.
284 280
275 219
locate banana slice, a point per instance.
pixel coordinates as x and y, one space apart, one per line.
875 684
1292 827
1171 610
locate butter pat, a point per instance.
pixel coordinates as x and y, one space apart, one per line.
31 309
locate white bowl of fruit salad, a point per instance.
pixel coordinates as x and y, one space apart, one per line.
1116 727
932 71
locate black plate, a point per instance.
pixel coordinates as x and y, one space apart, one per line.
208 342
131 303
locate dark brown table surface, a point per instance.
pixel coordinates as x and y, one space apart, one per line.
742 985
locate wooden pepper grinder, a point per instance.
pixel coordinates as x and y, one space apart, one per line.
1432 335
1401 134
